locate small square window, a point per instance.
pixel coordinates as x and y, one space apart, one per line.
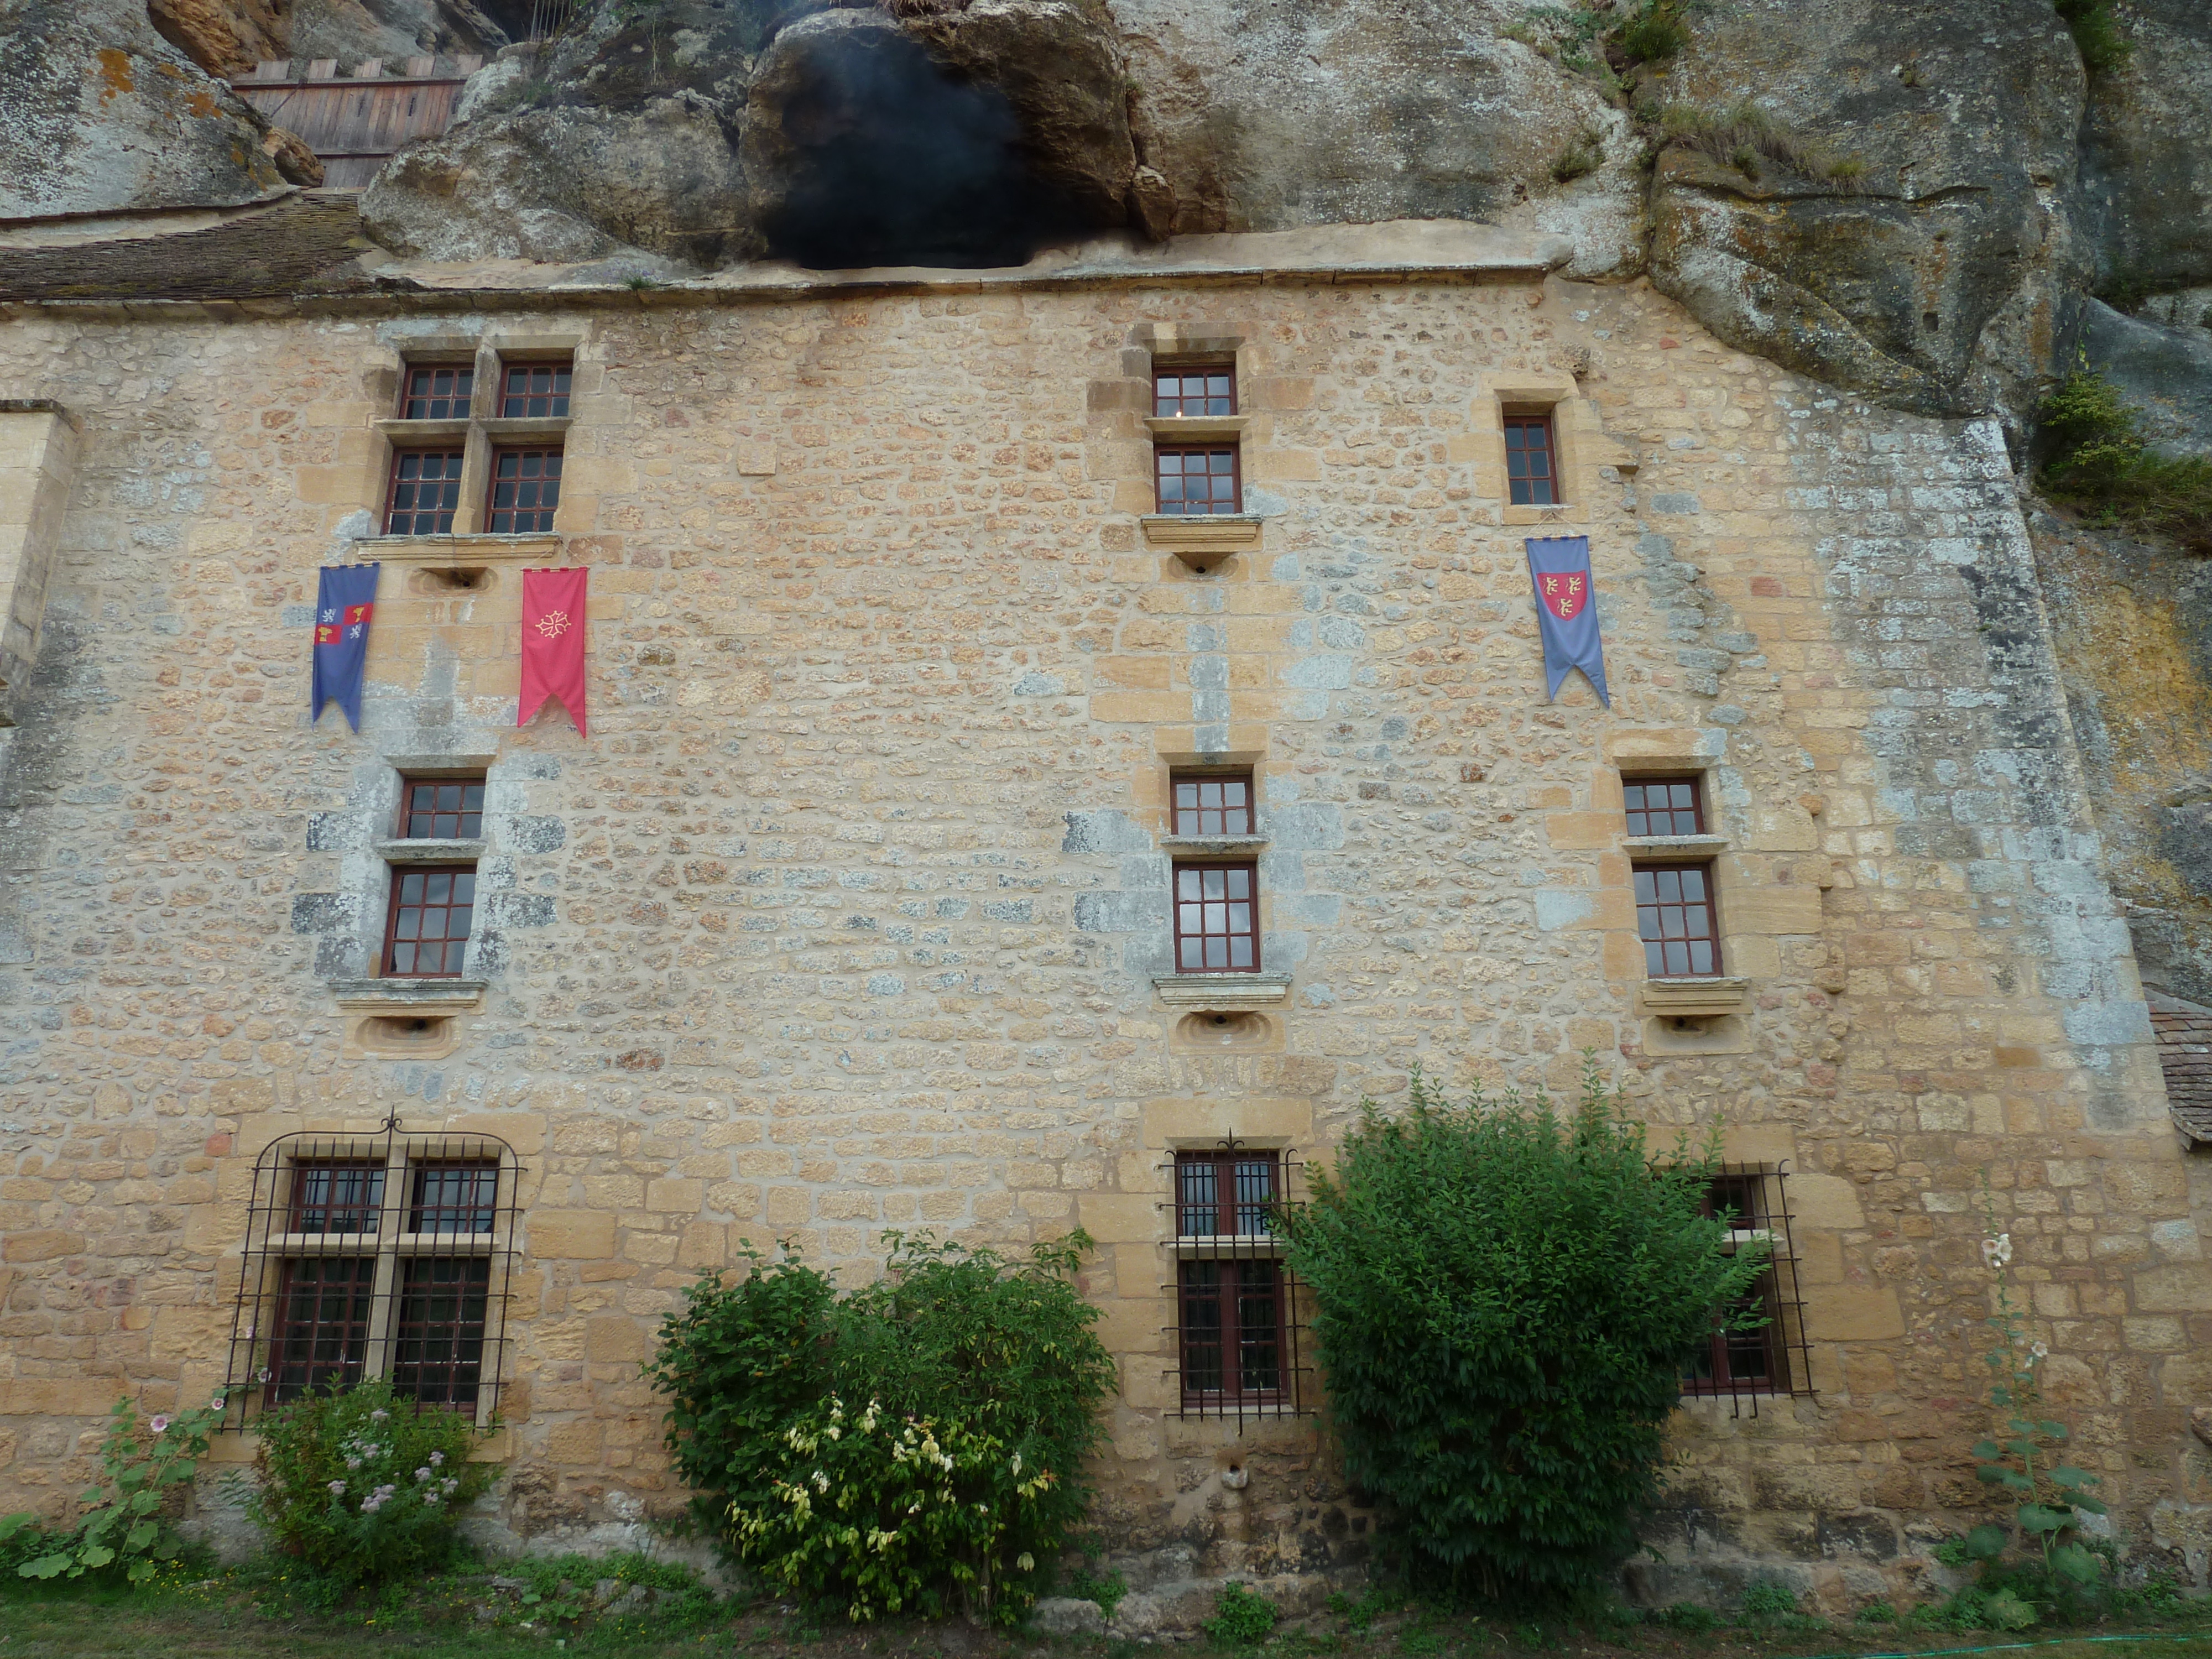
437 392
534 391
1532 474
1226 1195
1212 804
1195 389
526 489
442 809
1674 919
1664 806
426 488
336 1198
432 906
453 1198
1217 918
1193 481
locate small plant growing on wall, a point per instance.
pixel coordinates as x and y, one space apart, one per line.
362 1486
124 1527
1506 1295
916 1446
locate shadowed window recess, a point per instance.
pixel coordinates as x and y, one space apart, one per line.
1212 804
1531 461
1664 806
376 1255
425 489
526 489
1771 1358
1217 918
1674 919
437 392
1237 1333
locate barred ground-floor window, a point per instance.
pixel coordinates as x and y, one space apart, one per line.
1238 1330
1771 1359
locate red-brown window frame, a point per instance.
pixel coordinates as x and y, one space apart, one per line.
391 483
433 366
1251 867
392 939
1248 1212
409 784
511 367
426 1210
1704 869
1181 399
1179 781
458 1381
1538 420
492 509
1670 780
352 1331
1181 507
1744 1197
368 1209
1232 1209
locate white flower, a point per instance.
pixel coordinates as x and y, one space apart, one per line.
337 1488
1017 1469
215 1404
437 1458
1996 1252
2038 1351
158 1425
821 1481
422 1474
261 1376
378 1415
1026 1562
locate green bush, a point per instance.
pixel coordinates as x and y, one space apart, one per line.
2099 461
1505 1301
915 1445
2096 35
123 1524
1748 138
1240 1618
361 1485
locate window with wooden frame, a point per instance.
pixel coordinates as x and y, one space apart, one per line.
436 391
1664 806
1217 918
442 809
1188 389
1676 920
526 489
1196 481
424 489
427 934
381 1256
1769 1357
533 391
1532 465
1211 803
1236 1331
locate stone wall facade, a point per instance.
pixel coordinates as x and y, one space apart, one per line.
847 915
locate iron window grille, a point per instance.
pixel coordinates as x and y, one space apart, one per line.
526 489
442 809
1217 918
425 489
1532 474
432 906
1195 389
437 392
386 1254
1676 920
1773 1360
1240 1319
534 391
1198 482
1211 803
1664 806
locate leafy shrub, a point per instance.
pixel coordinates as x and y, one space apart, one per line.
1689 1616
1768 1599
1505 1300
1107 1592
915 1444
122 1524
1240 1618
1748 138
361 1485
2100 461
1585 154
1877 1613
2096 36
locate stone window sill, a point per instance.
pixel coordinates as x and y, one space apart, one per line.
366 548
415 995
513 428
1222 991
1201 540
1682 846
405 433
1565 512
1196 428
1695 999
424 850
1197 845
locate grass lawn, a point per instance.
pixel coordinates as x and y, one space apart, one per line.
241 1616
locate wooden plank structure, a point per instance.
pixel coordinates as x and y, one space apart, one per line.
358 124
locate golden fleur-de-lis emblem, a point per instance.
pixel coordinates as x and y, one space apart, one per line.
553 624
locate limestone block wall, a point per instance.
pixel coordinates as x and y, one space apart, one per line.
846 915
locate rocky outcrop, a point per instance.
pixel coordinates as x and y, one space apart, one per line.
2148 150
394 30
99 113
223 37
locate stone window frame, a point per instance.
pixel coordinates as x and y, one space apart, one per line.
482 435
1694 1007
273 1247
1200 542
1579 447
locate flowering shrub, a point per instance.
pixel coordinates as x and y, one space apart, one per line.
123 1523
2061 1575
361 1485
913 1447
886 1514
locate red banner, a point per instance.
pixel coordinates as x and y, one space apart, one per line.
553 604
